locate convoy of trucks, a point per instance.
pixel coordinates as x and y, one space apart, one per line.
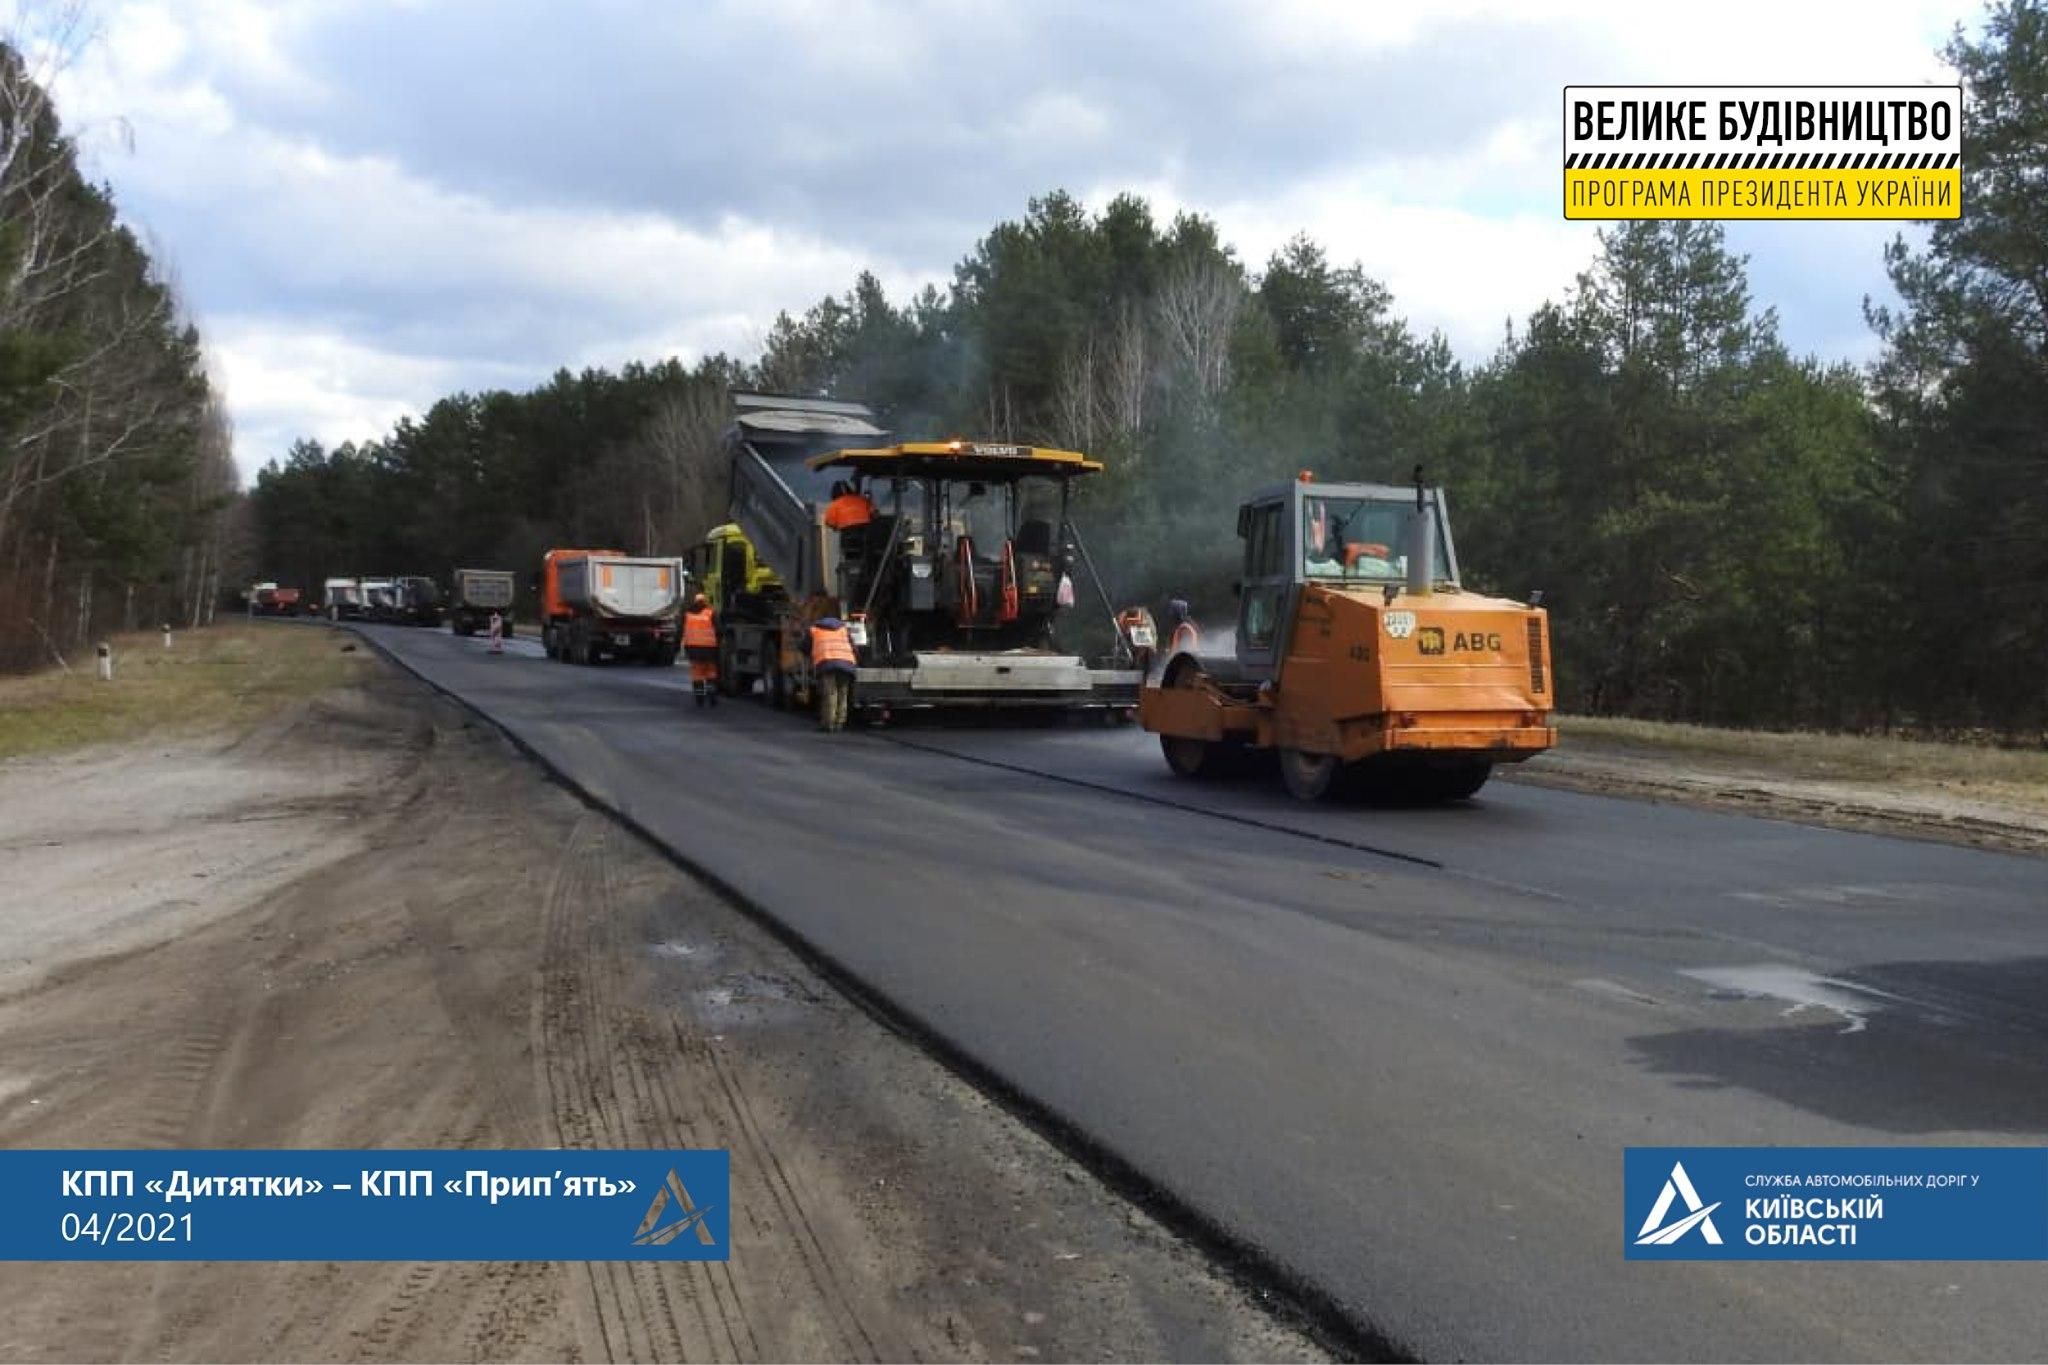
409 600
1357 658
605 604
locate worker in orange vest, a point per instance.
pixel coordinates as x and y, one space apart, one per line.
848 508
832 664
1185 638
700 647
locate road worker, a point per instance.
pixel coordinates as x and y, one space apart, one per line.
832 666
848 508
700 647
1186 639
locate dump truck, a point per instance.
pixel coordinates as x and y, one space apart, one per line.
418 600
268 599
1358 659
952 589
478 593
380 598
343 599
605 604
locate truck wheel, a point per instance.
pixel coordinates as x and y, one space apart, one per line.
1310 777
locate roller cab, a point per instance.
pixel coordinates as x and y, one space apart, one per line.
1357 657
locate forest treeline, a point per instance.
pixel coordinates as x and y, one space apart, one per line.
117 480
1724 531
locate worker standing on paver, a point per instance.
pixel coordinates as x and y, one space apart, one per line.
700 647
1186 639
832 665
848 508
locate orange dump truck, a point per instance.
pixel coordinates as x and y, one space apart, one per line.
1357 656
604 604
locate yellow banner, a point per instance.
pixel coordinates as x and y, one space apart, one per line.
1764 193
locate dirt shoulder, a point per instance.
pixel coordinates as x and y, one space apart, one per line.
370 923
1953 793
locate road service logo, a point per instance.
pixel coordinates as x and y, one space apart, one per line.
1658 1233
687 1217
1400 624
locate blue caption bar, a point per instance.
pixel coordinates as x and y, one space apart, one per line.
105 1205
1835 1203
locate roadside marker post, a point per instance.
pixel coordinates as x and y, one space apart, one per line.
497 633
106 653
167 635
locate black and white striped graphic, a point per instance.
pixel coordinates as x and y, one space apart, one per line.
1763 161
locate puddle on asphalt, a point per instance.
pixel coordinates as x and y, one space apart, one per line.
1799 989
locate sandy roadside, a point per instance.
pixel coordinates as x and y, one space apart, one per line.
370 923
1779 790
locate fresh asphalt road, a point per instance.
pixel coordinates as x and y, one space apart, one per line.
1400 1052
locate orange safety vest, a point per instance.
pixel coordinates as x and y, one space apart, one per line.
849 510
699 631
831 647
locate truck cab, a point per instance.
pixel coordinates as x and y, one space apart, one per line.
728 572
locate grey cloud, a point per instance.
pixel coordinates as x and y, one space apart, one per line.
905 148
900 139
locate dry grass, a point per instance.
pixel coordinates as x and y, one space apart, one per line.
2017 777
225 677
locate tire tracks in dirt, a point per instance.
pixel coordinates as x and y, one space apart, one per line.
605 1086
619 1073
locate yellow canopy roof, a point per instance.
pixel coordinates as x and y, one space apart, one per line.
963 459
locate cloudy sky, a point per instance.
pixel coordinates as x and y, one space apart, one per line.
371 203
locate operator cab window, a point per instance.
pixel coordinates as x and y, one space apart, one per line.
1265 573
1265 549
1360 540
982 512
